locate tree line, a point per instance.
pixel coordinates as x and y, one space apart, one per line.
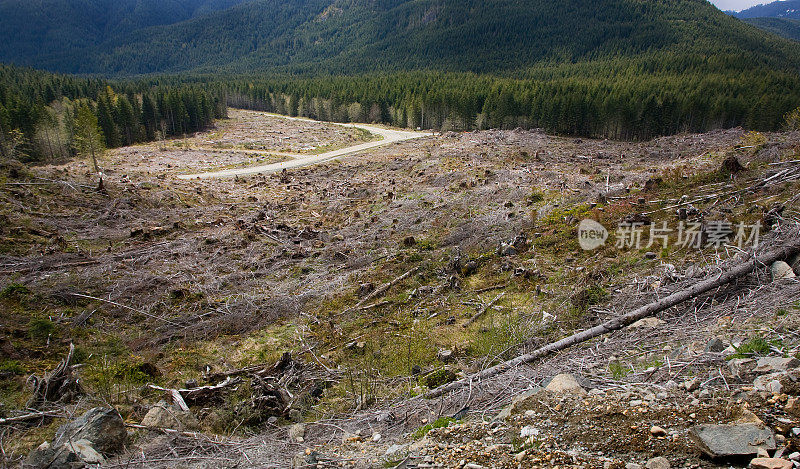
44 116
617 101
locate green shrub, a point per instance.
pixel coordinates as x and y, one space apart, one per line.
441 423
14 291
41 329
756 346
12 366
618 370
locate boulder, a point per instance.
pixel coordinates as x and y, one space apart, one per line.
658 463
776 364
781 270
741 366
722 441
769 383
70 455
646 323
517 403
163 415
715 345
565 384
103 427
297 432
795 263
770 463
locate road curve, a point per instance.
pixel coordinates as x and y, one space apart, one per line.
389 136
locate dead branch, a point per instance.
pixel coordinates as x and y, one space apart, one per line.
384 288
60 385
483 310
144 313
493 287
620 322
28 417
203 393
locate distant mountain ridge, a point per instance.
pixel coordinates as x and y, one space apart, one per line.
313 37
780 9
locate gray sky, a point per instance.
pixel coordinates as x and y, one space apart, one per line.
737 4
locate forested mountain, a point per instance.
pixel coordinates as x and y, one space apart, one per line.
361 36
780 9
59 34
784 27
626 69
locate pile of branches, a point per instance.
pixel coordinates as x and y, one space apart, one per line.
275 390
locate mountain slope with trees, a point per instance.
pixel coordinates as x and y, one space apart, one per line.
785 27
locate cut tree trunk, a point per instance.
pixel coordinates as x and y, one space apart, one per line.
60 385
625 320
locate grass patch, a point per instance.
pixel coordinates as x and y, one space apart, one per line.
441 423
756 347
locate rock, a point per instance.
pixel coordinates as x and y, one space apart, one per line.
377 437
163 415
517 402
103 427
776 364
565 384
85 452
795 263
762 453
70 455
646 323
714 346
741 366
691 385
437 378
795 456
769 383
297 432
394 449
770 463
444 355
528 431
632 465
720 441
781 270
657 431
792 407
658 463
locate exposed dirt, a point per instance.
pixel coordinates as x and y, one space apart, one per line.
224 273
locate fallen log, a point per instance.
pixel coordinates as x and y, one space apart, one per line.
483 310
384 288
625 320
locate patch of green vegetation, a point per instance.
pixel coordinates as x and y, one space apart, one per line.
14 291
535 197
443 422
755 347
12 366
40 329
618 370
437 378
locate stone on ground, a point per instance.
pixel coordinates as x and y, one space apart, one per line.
781 270
770 463
103 427
721 441
163 415
565 384
776 364
658 463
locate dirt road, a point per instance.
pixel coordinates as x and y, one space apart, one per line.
389 136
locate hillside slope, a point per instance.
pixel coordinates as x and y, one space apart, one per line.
355 36
784 27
